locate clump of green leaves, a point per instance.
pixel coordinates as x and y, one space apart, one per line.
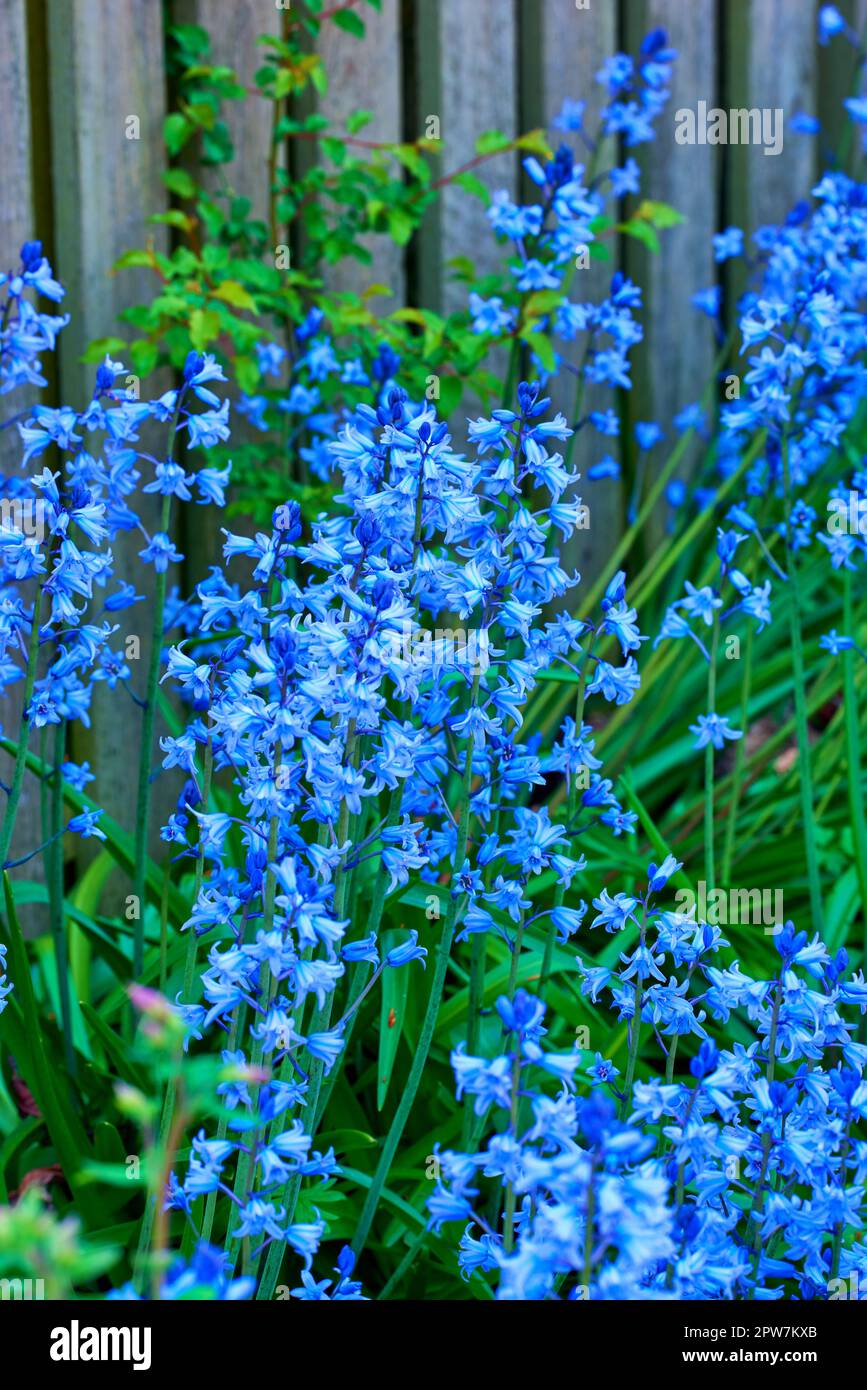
43 1255
233 278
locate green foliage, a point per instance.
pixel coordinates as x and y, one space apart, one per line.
232 279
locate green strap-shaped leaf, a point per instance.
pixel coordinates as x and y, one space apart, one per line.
119 844
395 984
64 1126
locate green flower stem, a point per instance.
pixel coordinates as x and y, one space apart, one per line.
577 407
318 1095
666 473
321 1020
164 928
853 756
801 725
538 714
837 1248
170 1099
55 898
476 989
511 1195
709 860
193 941
266 989
572 808
423 1046
516 959
45 803
222 1130
515 1105
146 748
14 797
634 1042
511 373
671 1055
361 972
758 1202
408 1259
589 1224
740 762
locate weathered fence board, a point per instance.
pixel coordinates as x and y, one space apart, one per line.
782 77
103 57
234 30
17 225
572 45
367 73
477 95
674 362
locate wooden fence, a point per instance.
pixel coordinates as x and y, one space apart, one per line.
73 71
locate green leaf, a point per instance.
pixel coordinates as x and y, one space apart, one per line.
144 356
542 302
395 984
451 391
284 81
335 150
642 231
412 160
247 374
535 142
174 218
176 132
357 121
180 182
400 225
118 841
659 214
491 141
542 347
98 349
64 1126
116 1049
462 266
112 1175
471 183
349 22
344 1141
131 260
231 292
16 1140
204 327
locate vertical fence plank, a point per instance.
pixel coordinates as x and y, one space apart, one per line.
572 45
233 30
16 206
106 63
478 94
782 75
837 64
674 361
465 76
367 73
16 226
